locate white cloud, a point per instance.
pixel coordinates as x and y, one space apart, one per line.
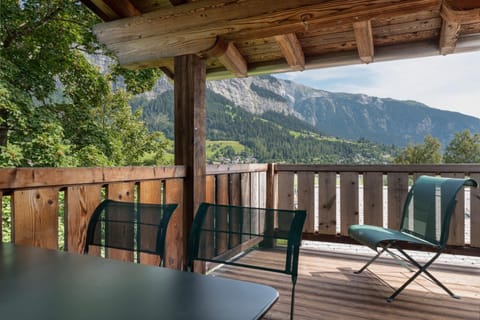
445 82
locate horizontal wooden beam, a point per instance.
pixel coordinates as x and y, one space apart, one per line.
364 40
292 50
195 25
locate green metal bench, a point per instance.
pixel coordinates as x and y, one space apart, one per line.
224 234
427 212
131 226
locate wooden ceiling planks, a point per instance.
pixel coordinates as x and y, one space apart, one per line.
267 36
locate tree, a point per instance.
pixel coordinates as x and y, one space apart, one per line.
51 95
427 153
463 148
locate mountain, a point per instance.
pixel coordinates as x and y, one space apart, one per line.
344 115
235 134
278 120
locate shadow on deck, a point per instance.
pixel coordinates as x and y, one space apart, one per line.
327 288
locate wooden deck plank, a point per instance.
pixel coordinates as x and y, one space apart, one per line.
327 288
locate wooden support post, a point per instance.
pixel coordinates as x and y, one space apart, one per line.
190 123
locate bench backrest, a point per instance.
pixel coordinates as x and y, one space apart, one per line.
429 207
222 233
131 226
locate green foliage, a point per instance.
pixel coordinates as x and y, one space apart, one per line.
427 153
463 148
56 108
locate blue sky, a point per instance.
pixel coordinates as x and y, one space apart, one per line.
449 82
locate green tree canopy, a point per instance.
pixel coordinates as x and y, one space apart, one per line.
427 153
56 108
464 148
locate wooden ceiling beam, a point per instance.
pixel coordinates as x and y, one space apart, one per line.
292 50
177 2
364 39
196 25
455 13
124 8
228 55
448 37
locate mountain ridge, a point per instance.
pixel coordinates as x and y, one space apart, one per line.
343 115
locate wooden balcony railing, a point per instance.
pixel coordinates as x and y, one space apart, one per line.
336 196
50 207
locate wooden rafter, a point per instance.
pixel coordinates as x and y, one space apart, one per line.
448 37
364 39
228 55
292 50
124 8
454 14
193 27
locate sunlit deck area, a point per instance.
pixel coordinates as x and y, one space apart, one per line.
327 288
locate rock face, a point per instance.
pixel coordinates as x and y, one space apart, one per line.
349 116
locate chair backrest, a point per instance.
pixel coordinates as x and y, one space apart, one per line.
429 207
220 232
131 226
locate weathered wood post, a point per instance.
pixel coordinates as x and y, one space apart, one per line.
190 123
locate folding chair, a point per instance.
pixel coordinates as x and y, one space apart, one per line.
222 234
130 226
427 212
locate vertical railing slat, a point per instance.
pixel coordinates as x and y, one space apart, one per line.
306 198
397 192
475 213
235 199
327 202
149 192
80 202
457 224
175 252
121 192
221 223
285 196
35 215
373 198
348 200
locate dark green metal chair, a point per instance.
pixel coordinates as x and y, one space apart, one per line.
224 234
427 212
131 226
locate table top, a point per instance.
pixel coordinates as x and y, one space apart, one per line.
47 284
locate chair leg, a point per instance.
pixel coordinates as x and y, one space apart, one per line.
422 269
373 259
292 302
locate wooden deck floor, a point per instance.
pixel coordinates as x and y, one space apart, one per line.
327 288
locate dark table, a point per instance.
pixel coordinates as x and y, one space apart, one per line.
47 284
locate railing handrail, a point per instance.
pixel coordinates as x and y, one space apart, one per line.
400 168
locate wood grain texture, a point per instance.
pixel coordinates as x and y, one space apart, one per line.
221 221
327 202
306 198
373 198
176 239
80 203
292 50
286 197
190 134
448 37
364 40
150 192
397 193
348 201
35 217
